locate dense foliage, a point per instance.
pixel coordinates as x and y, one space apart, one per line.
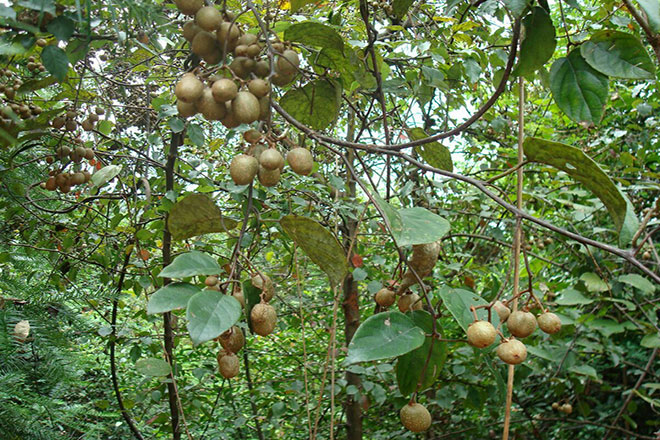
422 118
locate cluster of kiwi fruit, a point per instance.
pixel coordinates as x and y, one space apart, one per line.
263 160
13 108
69 121
233 339
520 324
62 180
263 316
242 95
566 408
540 243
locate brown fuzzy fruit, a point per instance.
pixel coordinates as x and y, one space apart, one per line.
243 168
247 39
89 154
87 125
242 67
409 302
190 29
189 88
481 334
50 184
549 323
211 280
238 294
228 34
521 324
282 79
385 297
566 408
288 62
263 318
502 311
259 87
512 351
264 108
232 340
227 364
224 90
422 261
252 136
209 107
186 109
77 178
230 121
265 284
204 44
300 160
58 122
245 107
271 159
555 406
189 7
262 69
415 417
268 178
208 18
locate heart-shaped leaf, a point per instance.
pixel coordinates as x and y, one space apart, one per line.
210 313
191 264
171 297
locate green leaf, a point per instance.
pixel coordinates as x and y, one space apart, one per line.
539 42
582 168
651 340
618 54
410 366
652 10
311 33
39 5
585 370
401 7
196 135
319 244
434 153
315 105
176 124
190 264
105 174
252 297
152 367
459 301
572 297
391 215
517 7
384 335
607 327
196 214
171 297
55 61
210 313
638 281
62 28
579 90
420 226
593 282
7 12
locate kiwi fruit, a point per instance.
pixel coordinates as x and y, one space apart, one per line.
555 406
88 176
87 125
241 51
209 107
211 280
228 34
243 168
93 117
186 109
213 57
189 7
415 417
259 87
502 311
232 340
512 351
278 47
262 69
208 18
267 177
252 136
247 39
230 121
265 284
70 125
253 50
58 122
89 154
242 66
224 90
50 184
228 364
190 29
521 324
238 294
63 151
271 159
549 323
288 62
300 160
189 88
264 319
264 108
77 178
281 79
245 107
481 334
566 408
409 302
204 44
385 297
